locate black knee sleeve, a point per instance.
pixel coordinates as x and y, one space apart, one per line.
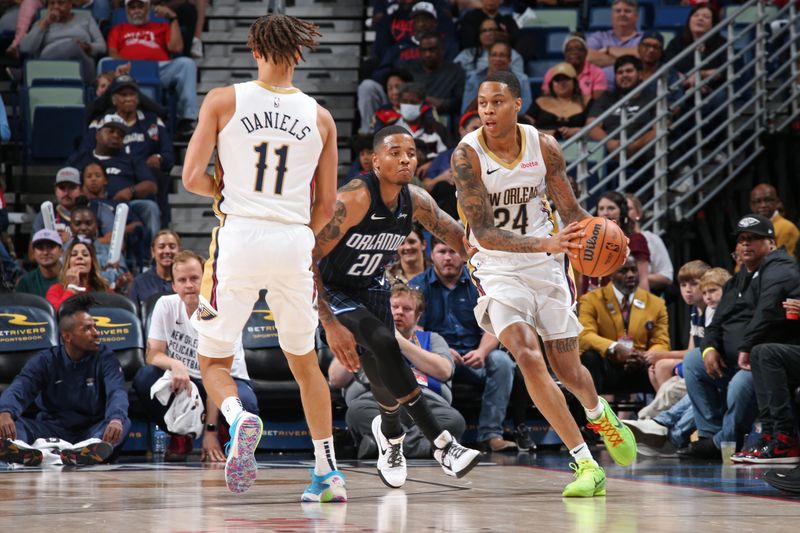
388 366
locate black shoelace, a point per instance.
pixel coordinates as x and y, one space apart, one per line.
455 450
395 455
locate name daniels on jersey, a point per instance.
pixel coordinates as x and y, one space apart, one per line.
382 241
277 121
517 195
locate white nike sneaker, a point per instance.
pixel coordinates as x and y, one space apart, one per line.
456 460
391 461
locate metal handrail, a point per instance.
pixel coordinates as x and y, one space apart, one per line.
754 98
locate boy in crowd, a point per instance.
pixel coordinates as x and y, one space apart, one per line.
665 421
663 364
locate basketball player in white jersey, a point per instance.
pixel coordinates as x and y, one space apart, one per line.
503 172
274 189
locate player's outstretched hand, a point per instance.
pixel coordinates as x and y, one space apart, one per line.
560 242
343 345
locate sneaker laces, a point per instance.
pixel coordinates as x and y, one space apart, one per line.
580 466
395 455
608 430
454 449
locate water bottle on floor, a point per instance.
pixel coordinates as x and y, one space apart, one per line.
159 444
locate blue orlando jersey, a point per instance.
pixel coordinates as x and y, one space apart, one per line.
358 261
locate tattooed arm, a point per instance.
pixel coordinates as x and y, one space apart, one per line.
437 221
352 203
474 201
558 187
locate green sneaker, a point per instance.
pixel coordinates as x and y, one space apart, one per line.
590 480
618 438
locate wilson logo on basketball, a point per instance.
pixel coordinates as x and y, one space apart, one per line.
529 164
591 243
612 247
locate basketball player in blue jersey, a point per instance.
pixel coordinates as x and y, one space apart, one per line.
373 215
503 173
274 190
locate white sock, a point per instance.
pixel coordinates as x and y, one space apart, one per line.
324 456
581 451
594 414
230 408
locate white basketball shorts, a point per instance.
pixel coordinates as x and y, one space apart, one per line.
247 255
540 293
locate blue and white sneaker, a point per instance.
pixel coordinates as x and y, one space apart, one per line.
241 466
329 488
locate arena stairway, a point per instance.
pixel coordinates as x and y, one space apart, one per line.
329 74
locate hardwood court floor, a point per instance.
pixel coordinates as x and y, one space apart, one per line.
515 493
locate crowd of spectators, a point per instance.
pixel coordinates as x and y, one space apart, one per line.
126 153
741 346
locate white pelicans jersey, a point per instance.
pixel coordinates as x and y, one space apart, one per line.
534 288
267 154
517 190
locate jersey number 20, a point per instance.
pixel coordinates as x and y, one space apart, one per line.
261 166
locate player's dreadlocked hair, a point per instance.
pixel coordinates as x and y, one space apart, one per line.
279 38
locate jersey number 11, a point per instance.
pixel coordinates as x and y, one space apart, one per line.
261 166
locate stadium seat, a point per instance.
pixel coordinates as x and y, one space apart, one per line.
555 17
144 72
671 17
668 34
54 119
554 42
27 326
49 72
540 43
146 311
52 97
539 67
269 372
121 330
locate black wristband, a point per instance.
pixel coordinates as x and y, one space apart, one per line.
211 427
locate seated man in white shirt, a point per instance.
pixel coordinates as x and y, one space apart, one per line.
172 345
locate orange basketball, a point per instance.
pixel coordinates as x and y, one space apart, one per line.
604 248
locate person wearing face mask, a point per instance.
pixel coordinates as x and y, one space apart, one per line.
390 112
407 53
418 118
